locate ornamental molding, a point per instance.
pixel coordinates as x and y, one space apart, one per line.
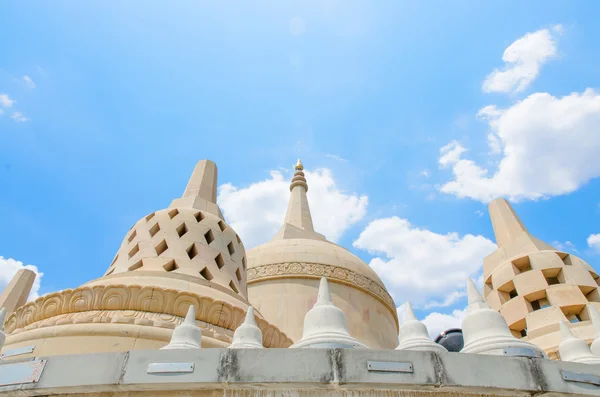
318 270
133 304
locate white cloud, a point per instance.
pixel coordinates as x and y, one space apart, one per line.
256 212
479 213
420 265
448 300
18 117
9 267
336 158
523 60
548 147
565 247
594 242
5 101
436 322
29 82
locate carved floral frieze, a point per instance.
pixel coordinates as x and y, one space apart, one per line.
133 304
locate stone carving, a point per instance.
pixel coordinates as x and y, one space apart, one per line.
151 306
318 270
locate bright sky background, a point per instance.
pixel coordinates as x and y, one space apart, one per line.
409 116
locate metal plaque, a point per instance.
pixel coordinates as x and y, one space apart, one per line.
18 351
580 378
21 373
389 366
521 352
170 368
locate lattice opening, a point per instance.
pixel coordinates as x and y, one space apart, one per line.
230 249
209 236
222 226
154 229
173 213
134 251
219 261
593 295
181 230
233 287
523 263
552 280
541 303
136 265
161 247
206 274
244 262
192 251
238 274
238 239
150 216
523 332
132 236
199 216
170 266
513 294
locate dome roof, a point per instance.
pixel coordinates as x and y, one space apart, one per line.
298 251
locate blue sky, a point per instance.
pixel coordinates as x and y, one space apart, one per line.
107 107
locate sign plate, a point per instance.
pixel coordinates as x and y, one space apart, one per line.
521 352
18 351
569 376
170 368
389 366
21 373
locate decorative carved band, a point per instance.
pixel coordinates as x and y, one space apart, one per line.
300 269
164 302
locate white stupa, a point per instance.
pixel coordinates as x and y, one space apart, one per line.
574 349
186 335
595 317
414 335
247 335
325 325
2 334
485 331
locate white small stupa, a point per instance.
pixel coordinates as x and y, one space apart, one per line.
485 331
325 325
186 335
414 335
574 349
247 335
2 334
595 317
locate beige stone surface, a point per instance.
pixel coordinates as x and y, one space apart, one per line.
17 291
170 259
283 278
545 286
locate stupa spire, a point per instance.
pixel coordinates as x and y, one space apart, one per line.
506 223
186 335
595 317
201 190
574 349
414 335
247 335
298 219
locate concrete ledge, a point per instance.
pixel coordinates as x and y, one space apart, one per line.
302 372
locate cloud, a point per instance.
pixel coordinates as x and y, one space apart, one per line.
436 322
594 242
565 247
257 211
548 146
420 265
9 267
5 101
523 60
18 117
448 300
336 158
29 82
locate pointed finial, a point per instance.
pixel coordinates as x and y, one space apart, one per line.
323 296
474 298
409 314
250 320
247 335
595 317
201 190
186 335
565 330
299 166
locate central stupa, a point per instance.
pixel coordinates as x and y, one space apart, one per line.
284 274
